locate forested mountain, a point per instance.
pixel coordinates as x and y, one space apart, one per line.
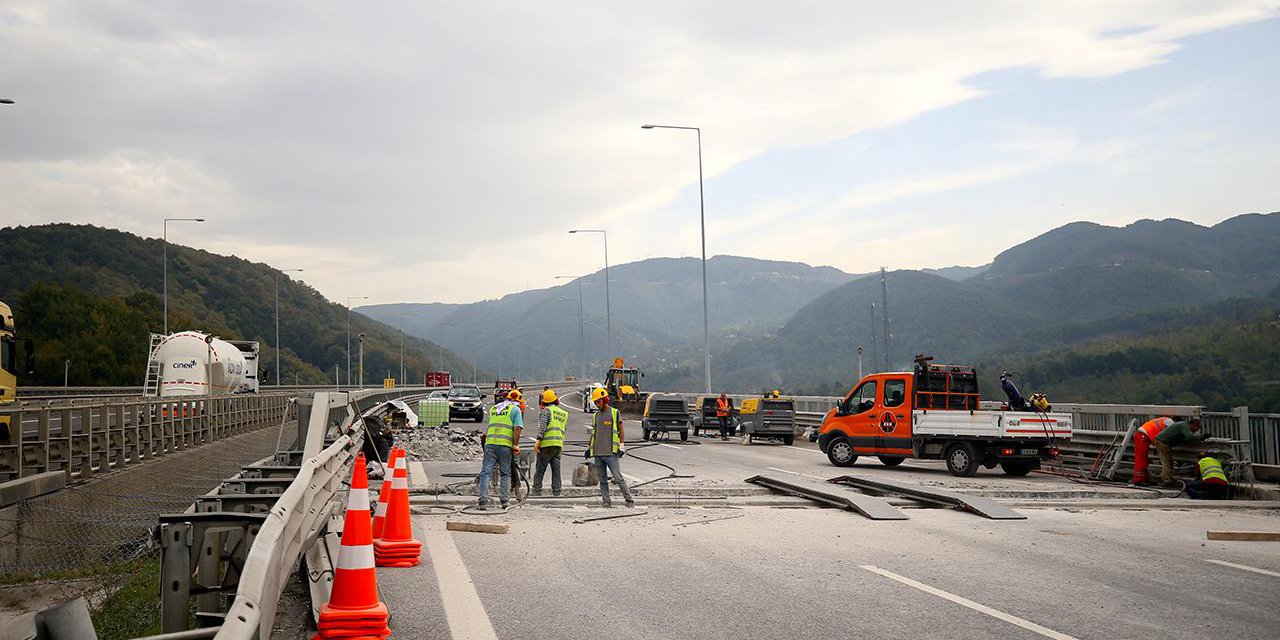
656 308
92 296
1074 286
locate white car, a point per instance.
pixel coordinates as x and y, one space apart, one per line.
587 405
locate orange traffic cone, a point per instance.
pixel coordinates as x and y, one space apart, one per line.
353 609
396 547
380 512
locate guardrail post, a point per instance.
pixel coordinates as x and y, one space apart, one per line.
1242 423
175 576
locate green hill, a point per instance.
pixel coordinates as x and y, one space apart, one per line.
92 295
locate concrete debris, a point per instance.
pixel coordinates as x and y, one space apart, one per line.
440 444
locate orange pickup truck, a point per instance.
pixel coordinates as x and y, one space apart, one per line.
933 413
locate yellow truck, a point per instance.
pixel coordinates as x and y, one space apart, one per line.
9 364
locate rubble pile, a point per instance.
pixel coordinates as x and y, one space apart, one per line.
440 444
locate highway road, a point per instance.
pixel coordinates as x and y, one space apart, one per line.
719 569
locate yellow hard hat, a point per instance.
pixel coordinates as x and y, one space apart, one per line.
598 393
515 394
549 397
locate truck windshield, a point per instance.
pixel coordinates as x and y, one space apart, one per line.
8 350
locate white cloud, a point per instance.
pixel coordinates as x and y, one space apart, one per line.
380 146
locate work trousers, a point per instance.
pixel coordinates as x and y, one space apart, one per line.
606 465
1166 461
499 456
548 457
1141 449
1204 490
724 426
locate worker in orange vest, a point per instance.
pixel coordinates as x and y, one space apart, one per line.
722 414
1142 439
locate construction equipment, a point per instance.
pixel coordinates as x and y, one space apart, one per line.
190 363
705 418
501 388
769 417
9 367
623 384
932 412
665 413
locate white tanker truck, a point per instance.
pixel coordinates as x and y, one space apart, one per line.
190 363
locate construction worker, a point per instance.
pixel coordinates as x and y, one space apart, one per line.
1171 436
776 394
723 409
501 445
607 447
1213 483
551 427
1142 439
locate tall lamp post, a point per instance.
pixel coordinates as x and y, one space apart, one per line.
278 320
608 314
361 339
349 299
582 339
165 240
702 214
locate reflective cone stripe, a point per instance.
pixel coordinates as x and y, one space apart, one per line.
380 514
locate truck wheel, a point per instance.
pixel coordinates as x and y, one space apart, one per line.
962 460
788 440
684 436
1017 467
891 461
840 453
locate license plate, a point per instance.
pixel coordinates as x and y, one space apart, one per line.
1030 452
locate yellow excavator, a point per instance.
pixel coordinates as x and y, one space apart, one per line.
623 385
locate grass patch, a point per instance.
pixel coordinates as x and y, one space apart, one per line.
134 608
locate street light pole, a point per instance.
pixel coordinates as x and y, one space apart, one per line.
349 299
702 216
608 314
278 320
66 374
164 225
361 339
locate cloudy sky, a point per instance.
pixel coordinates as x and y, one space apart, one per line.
439 151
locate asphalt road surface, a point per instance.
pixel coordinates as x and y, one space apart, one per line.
721 570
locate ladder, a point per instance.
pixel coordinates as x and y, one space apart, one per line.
151 384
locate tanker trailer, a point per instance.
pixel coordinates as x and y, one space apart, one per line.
190 363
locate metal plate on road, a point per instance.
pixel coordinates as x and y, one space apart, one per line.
869 506
985 507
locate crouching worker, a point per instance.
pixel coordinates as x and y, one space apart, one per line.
1213 484
607 448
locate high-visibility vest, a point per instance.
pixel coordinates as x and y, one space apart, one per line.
595 429
1153 427
722 407
502 431
554 437
1211 470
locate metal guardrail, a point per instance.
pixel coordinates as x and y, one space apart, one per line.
94 436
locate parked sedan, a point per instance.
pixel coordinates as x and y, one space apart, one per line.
466 402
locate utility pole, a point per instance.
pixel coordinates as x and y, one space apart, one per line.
884 315
361 339
875 351
349 299
164 239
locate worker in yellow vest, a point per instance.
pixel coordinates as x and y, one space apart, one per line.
551 427
501 444
607 447
1213 484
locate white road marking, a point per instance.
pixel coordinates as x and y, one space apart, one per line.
418 475
673 446
965 602
795 473
1244 567
462 606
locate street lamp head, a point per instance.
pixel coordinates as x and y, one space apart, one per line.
199 219
646 126
573 231
5 101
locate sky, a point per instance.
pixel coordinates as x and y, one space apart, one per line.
433 151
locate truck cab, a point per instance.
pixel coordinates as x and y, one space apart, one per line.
933 413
